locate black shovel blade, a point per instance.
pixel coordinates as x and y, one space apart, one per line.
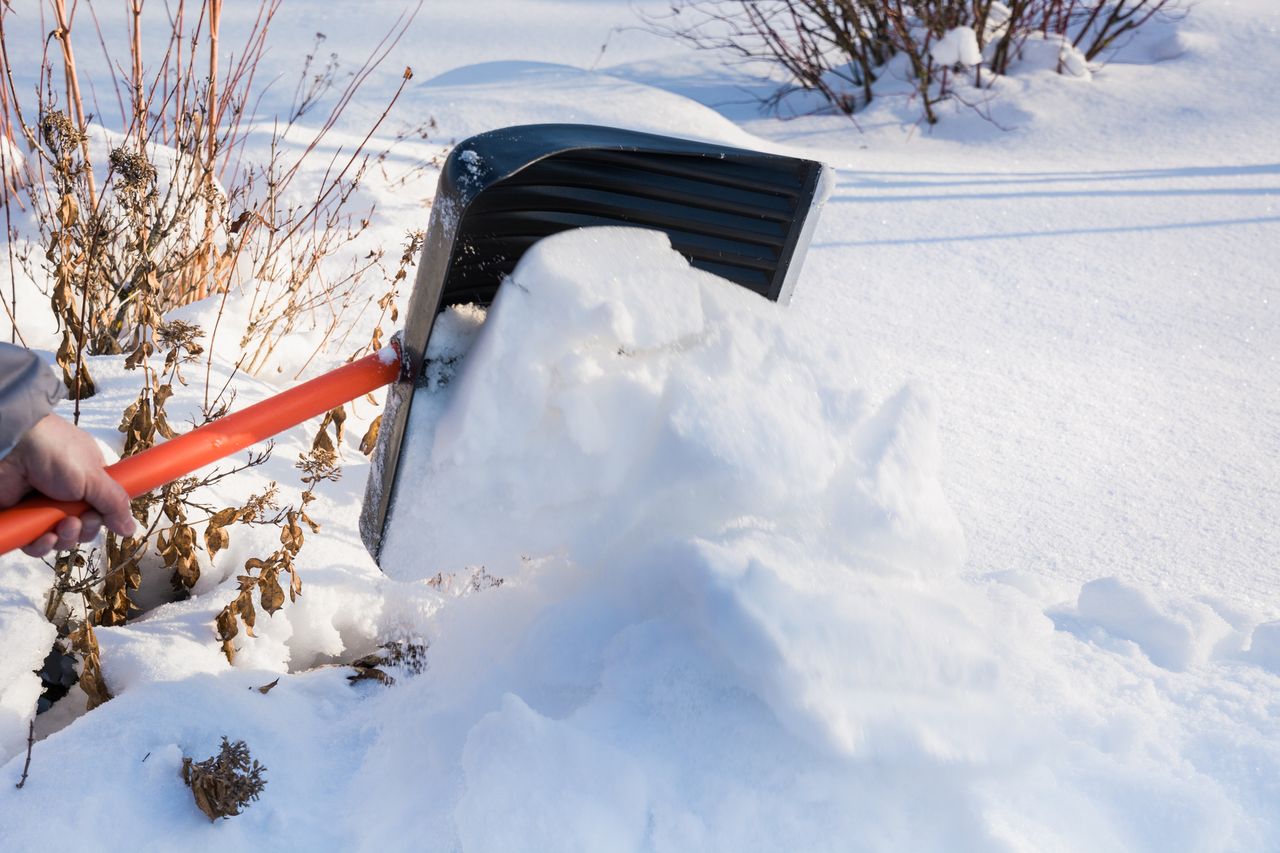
743 215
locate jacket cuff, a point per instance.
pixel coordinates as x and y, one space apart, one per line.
28 391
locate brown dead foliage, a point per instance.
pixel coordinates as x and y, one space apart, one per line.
263 575
85 643
225 784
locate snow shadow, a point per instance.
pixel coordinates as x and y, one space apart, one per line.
899 180
1228 183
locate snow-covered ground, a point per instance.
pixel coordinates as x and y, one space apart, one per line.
972 546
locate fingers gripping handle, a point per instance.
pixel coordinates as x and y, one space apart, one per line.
27 521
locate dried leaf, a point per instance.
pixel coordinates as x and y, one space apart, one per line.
223 517
68 210
142 423
291 533
369 661
85 642
323 443
370 440
162 425
135 359
226 623
186 570
338 417
127 418
215 536
266 688
270 594
227 630
202 798
215 539
244 608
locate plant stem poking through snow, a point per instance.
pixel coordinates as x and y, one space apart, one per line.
31 742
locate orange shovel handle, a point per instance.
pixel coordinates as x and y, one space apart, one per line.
30 519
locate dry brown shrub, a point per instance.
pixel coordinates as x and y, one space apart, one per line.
174 209
225 784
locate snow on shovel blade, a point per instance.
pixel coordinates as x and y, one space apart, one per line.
743 215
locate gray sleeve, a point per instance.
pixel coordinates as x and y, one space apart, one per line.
28 391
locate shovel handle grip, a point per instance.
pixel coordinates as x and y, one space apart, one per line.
27 521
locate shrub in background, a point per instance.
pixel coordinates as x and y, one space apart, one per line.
839 48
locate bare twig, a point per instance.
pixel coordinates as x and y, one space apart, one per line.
31 742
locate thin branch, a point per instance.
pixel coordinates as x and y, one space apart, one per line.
31 742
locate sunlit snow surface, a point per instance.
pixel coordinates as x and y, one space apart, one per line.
731 619
739 612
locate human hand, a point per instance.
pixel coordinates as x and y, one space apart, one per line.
62 461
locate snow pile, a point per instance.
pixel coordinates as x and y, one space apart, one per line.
957 47
476 98
665 432
28 637
616 394
732 618
727 571
1049 53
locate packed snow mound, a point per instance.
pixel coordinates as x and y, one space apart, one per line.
957 47
653 424
732 616
477 98
617 396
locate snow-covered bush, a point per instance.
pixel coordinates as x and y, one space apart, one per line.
840 48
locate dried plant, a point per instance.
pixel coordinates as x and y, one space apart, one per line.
225 784
408 656
476 578
164 205
184 212
262 575
85 643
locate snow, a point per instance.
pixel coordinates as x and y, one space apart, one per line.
585 417
957 46
1172 641
972 546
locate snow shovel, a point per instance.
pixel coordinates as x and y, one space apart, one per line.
743 215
